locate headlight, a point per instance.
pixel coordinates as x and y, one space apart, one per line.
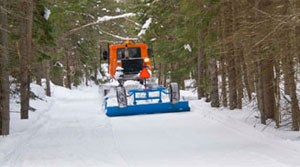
146 60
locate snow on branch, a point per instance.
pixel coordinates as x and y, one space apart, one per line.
187 47
107 18
145 27
47 13
99 20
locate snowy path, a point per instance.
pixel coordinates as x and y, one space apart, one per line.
74 133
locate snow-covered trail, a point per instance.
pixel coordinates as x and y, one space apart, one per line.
198 138
74 132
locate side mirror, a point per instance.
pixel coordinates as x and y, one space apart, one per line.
105 55
150 52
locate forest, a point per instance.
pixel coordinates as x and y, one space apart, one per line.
238 51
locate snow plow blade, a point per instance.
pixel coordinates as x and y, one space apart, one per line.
181 106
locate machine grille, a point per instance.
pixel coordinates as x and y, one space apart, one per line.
132 66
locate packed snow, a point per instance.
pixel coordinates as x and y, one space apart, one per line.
71 129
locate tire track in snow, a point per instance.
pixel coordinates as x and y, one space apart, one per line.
89 141
24 141
117 144
91 131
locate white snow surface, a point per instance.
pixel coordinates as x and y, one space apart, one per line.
70 129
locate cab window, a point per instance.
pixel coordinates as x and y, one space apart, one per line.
132 53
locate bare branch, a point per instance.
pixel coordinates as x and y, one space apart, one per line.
118 37
270 33
3 29
84 14
266 14
137 24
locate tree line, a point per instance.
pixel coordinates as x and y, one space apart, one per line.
44 41
241 50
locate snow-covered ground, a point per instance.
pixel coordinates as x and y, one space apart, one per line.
70 130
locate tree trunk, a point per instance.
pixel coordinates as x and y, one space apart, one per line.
291 75
37 67
238 56
259 92
224 82
214 87
230 57
223 64
247 81
285 70
96 75
68 70
268 87
239 79
47 75
232 79
294 100
4 74
39 72
293 94
297 28
24 93
298 40
86 71
201 75
26 8
277 93
161 75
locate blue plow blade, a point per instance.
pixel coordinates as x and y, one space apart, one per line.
154 108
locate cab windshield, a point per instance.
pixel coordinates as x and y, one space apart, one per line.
132 53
